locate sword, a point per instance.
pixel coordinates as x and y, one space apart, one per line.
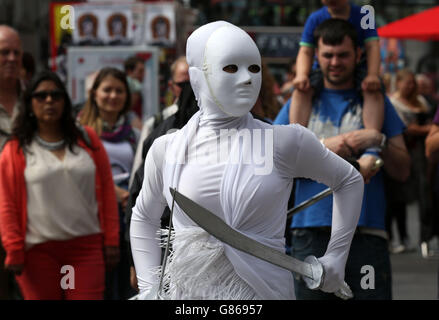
311 269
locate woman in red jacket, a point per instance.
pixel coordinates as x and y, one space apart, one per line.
58 210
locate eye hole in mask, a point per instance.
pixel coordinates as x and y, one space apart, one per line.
231 68
254 68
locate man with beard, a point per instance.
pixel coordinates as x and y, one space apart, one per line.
336 119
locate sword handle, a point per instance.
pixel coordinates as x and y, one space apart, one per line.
316 283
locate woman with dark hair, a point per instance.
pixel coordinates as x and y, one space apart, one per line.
106 112
58 211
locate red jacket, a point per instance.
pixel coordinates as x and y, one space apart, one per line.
13 197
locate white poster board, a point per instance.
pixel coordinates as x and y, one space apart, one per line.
83 61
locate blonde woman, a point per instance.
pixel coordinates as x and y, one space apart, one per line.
106 112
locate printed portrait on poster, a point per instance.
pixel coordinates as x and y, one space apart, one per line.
160 24
117 26
88 25
161 28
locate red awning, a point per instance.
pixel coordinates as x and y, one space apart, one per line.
422 26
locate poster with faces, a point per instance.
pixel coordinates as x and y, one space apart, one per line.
83 64
103 25
159 24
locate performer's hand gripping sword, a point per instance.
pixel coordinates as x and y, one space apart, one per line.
311 269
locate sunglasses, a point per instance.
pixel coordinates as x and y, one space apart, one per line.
41 96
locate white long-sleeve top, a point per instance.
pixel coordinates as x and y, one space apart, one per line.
246 194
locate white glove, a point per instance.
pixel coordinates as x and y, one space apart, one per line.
334 278
321 279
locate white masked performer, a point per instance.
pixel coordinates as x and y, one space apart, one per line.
242 170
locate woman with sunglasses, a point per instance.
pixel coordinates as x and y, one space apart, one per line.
58 211
106 112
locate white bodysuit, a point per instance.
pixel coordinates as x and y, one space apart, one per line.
242 170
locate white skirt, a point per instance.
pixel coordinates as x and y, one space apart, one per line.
198 269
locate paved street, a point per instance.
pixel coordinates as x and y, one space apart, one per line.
415 278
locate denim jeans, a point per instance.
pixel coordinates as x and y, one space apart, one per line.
366 250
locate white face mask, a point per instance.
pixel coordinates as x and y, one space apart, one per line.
232 69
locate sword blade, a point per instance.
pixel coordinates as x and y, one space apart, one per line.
223 232
309 202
